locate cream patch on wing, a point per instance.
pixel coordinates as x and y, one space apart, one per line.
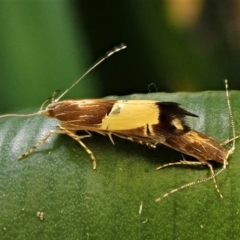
126 115
177 124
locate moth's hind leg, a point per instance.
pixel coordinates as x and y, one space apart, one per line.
182 162
78 139
192 163
43 140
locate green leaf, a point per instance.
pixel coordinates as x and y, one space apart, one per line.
82 203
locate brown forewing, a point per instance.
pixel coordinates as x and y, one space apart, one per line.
80 113
198 145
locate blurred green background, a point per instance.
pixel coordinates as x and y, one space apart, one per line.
180 45
187 45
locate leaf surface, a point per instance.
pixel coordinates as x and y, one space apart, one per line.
82 203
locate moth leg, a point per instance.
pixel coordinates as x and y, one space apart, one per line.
231 151
148 143
58 131
82 136
192 163
214 179
110 137
78 139
182 162
188 185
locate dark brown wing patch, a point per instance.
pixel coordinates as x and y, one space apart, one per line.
171 118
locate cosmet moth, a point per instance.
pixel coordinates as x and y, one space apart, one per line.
144 121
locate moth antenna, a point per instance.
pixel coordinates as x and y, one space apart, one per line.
230 140
20 115
152 85
231 119
106 55
29 114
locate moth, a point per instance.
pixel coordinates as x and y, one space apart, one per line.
144 121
